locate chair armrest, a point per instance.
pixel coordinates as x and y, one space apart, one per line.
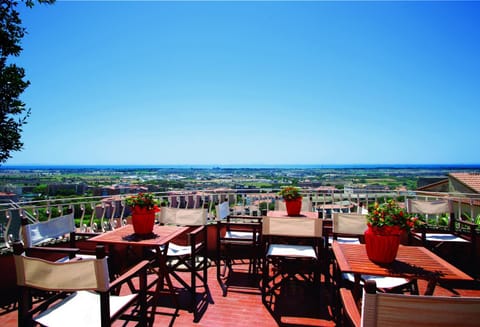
467 223
197 238
350 307
196 230
126 276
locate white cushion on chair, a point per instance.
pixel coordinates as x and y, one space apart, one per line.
382 281
386 282
80 309
437 237
178 250
288 250
345 240
348 240
239 235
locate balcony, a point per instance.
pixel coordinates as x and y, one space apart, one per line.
296 306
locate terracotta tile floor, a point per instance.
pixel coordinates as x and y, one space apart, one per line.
296 306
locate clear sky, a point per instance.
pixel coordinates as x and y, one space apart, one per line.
251 83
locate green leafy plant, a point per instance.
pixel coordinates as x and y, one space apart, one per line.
290 193
390 218
142 200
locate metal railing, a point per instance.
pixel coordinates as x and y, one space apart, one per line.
103 213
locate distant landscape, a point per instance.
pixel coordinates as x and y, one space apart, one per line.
38 181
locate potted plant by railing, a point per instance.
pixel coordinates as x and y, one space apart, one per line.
386 223
143 206
293 200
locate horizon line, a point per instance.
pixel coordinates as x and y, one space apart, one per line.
213 166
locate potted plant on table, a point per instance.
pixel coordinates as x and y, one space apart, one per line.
143 206
386 223
293 199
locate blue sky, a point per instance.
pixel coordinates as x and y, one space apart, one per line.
251 83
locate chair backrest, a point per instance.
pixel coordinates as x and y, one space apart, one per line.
387 309
183 217
306 205
65 276
223 210
349 223
40 232
429 207
292 226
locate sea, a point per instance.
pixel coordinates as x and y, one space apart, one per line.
246 166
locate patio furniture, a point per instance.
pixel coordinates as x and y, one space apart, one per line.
293 250
435 239
412 262
283 213
124 237
55 239
78 292
383 309
238 237
348 228
188 253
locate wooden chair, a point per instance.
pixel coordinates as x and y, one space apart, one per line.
384 309
349 228
238 237
434 239
294 248
78 292
55 238
189 253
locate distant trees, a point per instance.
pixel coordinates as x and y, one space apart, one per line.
13 113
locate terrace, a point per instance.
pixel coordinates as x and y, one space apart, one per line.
297 305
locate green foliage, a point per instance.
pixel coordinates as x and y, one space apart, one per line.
290 193
142 200
390 215
443 220
40 189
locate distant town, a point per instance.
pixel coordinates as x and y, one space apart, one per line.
36 183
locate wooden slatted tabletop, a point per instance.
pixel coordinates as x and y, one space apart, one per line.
125 235
411 262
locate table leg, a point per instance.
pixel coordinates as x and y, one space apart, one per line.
357 287
163 276
431 286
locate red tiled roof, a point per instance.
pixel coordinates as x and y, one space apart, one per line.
471 180
427 187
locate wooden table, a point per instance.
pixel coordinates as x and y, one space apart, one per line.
279 213
162 235
413 262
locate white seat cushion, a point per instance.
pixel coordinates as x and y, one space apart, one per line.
239 235
175 250
436 237
345 240
287 250
382 282
348 240
80 309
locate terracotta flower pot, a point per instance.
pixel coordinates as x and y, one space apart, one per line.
143 220
381 247
293 207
